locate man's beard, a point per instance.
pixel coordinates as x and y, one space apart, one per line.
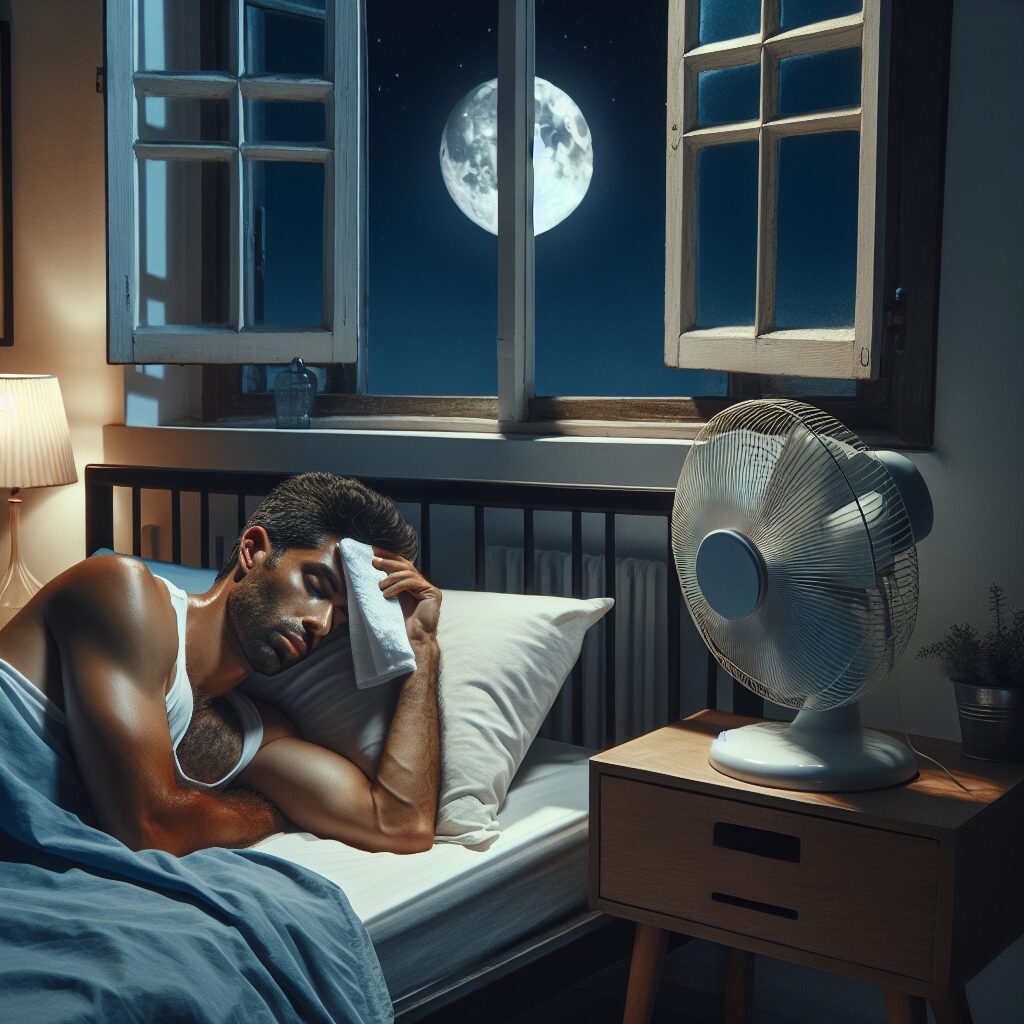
257 626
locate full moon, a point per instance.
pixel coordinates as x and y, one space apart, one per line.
563 155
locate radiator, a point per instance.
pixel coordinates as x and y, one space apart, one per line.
640 645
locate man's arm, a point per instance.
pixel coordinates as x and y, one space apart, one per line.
326 794
408 778
117 638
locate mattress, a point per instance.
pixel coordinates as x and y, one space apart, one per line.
431 915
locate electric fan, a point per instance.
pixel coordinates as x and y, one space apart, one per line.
794 546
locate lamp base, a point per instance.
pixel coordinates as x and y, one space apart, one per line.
819 751
18 586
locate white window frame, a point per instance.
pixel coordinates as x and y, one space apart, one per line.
849 353
515 210
340 341
516 409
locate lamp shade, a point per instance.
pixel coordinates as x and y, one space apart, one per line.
35 445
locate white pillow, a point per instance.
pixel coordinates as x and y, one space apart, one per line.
504 657
320 697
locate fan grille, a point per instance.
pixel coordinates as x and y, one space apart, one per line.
830 524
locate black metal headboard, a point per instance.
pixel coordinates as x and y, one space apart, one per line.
576 499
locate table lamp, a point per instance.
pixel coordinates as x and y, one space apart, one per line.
35 451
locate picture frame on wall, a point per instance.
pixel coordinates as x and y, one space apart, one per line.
6 192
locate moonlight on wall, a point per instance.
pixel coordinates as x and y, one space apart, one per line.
563 155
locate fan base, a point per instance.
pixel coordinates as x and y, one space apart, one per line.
783 756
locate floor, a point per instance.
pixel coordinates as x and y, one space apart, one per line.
600 999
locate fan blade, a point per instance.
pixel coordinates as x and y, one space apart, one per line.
831 527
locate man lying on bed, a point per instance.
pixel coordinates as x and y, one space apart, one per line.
110 645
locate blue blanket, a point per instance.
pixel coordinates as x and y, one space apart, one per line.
93 932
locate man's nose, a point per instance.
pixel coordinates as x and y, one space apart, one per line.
320 624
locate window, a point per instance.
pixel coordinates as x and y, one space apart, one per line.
768 178
805 168
776 207
233 180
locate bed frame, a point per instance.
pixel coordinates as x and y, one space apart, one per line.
585 943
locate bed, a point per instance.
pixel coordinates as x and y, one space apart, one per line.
452 928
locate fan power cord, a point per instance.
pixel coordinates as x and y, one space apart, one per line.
906 735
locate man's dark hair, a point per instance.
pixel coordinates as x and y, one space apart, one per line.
304 510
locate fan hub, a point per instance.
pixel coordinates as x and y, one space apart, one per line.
731 574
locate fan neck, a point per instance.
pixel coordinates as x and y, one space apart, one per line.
843 719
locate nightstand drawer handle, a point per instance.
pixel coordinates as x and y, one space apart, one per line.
758 841
761 908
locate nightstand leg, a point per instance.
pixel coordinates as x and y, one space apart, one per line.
903 1008
644 973
953 1011
739 986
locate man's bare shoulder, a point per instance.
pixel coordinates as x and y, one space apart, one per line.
115 603
111 576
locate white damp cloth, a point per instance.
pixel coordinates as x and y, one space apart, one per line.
380 643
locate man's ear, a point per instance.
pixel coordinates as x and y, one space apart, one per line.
253 548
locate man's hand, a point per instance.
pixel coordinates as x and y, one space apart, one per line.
419 598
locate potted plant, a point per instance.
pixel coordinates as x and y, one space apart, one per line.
988 676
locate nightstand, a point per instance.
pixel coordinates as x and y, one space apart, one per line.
914 888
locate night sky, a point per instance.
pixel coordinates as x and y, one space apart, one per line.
432 273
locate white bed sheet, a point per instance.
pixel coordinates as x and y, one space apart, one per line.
432 914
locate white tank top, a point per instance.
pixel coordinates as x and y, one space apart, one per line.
179 704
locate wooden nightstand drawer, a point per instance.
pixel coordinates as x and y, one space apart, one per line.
859 894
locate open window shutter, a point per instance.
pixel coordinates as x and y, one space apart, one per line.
775 206
184 228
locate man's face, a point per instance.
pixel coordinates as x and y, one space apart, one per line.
281 613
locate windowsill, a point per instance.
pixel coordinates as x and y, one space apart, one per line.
576 430
173 399
367 448
468 427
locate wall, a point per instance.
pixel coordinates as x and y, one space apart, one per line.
973 472
60 253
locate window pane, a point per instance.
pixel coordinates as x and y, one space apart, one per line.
600 272
729 94
819 81
817 230
726 234
729 19
183 243
433 270
178 119
286 122
183 35
286 231
285 44
803 12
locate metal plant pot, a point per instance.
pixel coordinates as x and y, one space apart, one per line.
991 721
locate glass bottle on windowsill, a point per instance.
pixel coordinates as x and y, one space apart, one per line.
294 391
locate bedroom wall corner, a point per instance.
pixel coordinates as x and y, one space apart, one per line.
972 473
59 225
